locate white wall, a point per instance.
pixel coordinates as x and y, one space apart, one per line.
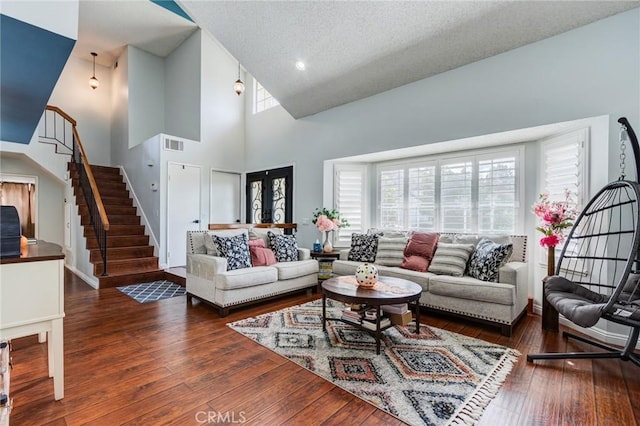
146 85
182 89
587 72
222 111
89 107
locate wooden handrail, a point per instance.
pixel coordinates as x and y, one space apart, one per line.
87 184
62 113
92 182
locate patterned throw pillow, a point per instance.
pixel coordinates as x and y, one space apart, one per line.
450 259
363 247
285 247
487 260
235 249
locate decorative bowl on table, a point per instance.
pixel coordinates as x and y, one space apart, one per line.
367 275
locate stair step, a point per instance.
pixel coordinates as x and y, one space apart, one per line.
121 279
118 266
108 201
105 169
120 241
104 192
111 210
99 177
116 253
114 220
116 230
104 184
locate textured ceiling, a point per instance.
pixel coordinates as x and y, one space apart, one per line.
353 50
107 27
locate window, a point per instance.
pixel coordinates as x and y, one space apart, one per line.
350 200
470 193
262 100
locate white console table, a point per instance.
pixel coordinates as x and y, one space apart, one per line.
32 302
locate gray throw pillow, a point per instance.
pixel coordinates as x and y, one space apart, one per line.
391 251
450 259
487 259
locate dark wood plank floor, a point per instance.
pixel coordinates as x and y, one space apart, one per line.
169 363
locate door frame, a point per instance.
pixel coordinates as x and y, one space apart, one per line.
285 171
241 195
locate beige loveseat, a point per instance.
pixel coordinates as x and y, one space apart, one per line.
500 303
209 280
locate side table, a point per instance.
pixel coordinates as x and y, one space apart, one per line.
325 261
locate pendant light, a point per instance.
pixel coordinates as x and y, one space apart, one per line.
238 86
93 81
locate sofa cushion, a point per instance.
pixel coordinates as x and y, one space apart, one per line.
391 250
487 259
235 249
246 277
285 247
363 247
472 289
345 267
475 240
451 259
289 270
421 278
419 251
260 255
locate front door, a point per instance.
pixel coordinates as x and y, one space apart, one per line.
270 196
183 205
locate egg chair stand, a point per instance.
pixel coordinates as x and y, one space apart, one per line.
598 273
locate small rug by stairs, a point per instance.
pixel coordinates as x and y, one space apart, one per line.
151 292
435 378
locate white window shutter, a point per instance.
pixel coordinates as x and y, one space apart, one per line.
350 200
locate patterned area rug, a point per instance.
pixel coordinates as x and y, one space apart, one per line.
151 292
435 378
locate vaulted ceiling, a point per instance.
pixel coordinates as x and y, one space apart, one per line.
356 49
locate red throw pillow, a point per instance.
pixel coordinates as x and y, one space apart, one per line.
415 263
421 245
261 256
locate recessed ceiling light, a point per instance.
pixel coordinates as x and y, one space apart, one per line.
300 65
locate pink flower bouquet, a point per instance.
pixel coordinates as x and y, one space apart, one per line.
554 218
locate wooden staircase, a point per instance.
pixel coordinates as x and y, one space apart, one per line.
130 258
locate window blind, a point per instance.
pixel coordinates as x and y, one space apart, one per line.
456 208
350 200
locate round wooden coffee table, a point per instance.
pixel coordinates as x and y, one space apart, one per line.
387 291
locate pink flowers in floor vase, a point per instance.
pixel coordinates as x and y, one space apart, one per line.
554 218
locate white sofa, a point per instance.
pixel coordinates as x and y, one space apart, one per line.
209 280
500 303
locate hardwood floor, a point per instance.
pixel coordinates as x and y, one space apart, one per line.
169 363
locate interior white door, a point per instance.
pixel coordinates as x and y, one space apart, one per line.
183 205
225 197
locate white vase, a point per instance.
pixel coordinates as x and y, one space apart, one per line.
327 247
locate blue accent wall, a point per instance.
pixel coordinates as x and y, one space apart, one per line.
173 7
31 61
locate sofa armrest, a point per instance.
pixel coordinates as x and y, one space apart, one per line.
515 273
344 254
304 253
205 266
